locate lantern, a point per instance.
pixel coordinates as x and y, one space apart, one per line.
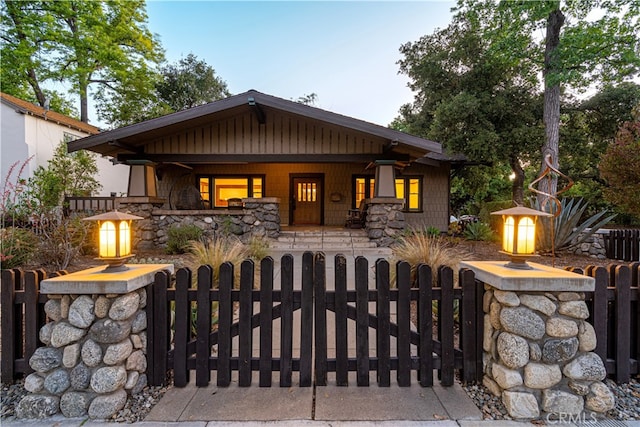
114 239
519 234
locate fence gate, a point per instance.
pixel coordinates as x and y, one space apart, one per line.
203 329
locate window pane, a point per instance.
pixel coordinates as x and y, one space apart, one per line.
414 194
203 183
229 188
257 187
372 183
360 194
400 191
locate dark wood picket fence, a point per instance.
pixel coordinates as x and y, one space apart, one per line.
623 245
203 349
614 308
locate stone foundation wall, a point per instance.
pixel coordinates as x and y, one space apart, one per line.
593 246
258 218
385 220
539 354
94 356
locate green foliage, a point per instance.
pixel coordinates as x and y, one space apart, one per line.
180 238
100 43
567 229
189 83
620 166
478 231
17 247
494 221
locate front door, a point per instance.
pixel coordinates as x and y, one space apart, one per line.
306 199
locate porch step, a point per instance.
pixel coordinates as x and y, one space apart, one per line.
327 240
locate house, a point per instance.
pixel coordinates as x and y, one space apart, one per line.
29 130
254 162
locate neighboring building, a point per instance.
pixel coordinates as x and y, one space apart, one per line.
315 165
29 130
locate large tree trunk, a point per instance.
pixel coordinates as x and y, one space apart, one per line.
551 113
517 188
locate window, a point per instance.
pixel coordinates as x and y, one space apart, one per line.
219 189
407 188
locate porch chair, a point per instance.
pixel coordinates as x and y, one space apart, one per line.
356 218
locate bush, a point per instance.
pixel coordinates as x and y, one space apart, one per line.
479 231
180 238
422 249
17 246
216 252
257 248
61 239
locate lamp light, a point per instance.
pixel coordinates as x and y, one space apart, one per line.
519 235
114 239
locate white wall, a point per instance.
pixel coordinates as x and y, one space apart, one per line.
25 135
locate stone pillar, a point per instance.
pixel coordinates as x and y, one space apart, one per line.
95 344
144 231
262 216
385 220
538 346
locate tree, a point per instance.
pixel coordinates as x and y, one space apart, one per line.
620 166
189 83
577 51
80 43
473 103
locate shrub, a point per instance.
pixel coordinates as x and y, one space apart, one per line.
566 231
257 248
479 231
422 249
17 246
180 238
215 252
61 239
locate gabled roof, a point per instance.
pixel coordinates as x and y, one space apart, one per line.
135 134
25 107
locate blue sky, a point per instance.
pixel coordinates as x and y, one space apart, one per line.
345 52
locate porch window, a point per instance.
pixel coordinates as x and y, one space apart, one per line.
407 188
220 189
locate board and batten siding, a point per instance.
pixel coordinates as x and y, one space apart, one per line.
281 134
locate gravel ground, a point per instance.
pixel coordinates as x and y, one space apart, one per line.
135 410
627 401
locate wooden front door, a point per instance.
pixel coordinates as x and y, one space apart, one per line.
306 199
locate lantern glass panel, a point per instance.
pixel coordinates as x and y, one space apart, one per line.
125 238
508 235
107 239
526 235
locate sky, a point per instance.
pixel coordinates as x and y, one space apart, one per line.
344 52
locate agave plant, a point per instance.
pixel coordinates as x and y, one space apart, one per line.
566 230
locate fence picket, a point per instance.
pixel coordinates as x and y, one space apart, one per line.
425 325
340 303
31 317
286 320
362 322
623 323
468 308
600 311
9 325
182 327
404 323
306 327
383 311
245 330
203 325
446 325
320 294
225 319
266 321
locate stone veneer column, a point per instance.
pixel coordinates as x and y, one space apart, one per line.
144 232
95 344
385 220
538 346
